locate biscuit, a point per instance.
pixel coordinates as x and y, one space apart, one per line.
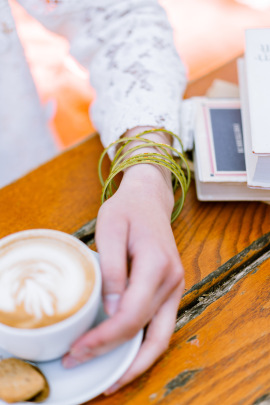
19 381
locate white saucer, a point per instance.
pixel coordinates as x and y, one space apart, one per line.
87 381
78 385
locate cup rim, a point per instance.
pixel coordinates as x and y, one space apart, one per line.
96 292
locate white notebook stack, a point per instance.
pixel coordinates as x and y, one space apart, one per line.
219 153
232 135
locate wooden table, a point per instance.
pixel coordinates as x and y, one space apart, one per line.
220 351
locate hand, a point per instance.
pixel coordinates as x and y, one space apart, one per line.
143 278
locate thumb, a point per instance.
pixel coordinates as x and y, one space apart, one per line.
111 240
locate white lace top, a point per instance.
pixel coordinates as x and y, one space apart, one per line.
127 45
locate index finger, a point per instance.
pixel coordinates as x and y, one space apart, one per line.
138 304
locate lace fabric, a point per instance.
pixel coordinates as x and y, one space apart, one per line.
127 45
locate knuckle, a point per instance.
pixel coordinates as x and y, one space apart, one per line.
113 271
100 341
114 275
163 259
114 282
132 327
171 267
177 276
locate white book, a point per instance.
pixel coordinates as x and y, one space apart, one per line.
219 160
257 61
258 166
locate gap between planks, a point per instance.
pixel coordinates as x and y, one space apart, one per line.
213 286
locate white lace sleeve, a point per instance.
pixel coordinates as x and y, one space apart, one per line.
127 45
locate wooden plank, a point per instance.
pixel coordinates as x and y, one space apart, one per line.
210 233
235 268
220 351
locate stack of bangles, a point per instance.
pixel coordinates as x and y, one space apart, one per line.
170 158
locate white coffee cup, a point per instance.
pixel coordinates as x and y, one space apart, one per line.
52 341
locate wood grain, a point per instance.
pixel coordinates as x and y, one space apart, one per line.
210 233
231 271
221 354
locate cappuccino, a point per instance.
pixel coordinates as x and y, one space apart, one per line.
45 277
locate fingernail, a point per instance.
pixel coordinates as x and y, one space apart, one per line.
70 362
112 389
111 303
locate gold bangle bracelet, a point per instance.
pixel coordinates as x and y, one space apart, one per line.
123 160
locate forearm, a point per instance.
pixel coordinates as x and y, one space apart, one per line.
138 76
128 48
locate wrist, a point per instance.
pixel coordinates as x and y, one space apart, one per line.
147 169
150 180
154 172
158 137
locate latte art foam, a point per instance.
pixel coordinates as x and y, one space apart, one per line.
42 281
